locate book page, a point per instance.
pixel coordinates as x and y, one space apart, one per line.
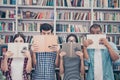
95 38
17 49
45 42
71 48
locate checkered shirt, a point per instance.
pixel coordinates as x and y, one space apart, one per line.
45 66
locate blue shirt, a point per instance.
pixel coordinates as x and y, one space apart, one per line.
106 63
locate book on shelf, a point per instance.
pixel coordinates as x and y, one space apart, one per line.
106 3
11 2
114 39
35 15
96 41
45 42
68 15
6 38
7 13
36 2
72 28
28 27
7 26
106 16
71 48
18 49
74 3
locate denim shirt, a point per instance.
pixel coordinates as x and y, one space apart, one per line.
106 63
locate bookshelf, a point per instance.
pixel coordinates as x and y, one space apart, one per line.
67 16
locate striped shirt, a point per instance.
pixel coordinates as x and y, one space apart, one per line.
45 66
71 68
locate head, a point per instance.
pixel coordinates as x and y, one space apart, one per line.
72 38
19 38
46 29
95 29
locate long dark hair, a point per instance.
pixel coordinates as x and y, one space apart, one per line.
19 35
76 39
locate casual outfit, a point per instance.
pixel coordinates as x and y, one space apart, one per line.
16 69
71 68
100 64
45 66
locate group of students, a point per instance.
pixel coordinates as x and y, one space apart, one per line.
72 68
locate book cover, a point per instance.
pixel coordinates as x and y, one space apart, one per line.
95 38
45 42
71 48
18 49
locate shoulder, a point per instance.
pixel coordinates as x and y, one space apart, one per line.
113 45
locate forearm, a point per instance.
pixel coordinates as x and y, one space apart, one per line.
82 67
5 64
61 66
114 56
34 59
29 62
85 53
57 60
29 65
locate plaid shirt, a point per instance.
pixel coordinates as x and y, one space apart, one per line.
45 66
8 73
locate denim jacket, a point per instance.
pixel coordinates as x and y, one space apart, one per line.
106 63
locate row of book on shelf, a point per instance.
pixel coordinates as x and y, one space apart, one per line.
70 15
7 26
61 15
11 2
114 16
28 2
36 14
87 3
34 26
61 39
4 13
69 3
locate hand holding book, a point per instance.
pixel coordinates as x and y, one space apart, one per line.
99 41
71 49
103 41
62 54
80 54
8 54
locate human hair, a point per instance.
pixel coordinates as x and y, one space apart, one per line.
46 27
73 36
95 26
19 35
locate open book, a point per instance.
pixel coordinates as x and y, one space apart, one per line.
17 49
71 48
95 38
45 42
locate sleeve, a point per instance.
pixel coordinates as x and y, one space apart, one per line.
114 47
86 62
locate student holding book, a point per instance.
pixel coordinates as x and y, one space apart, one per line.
99 61
17 68
72 67
44 62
